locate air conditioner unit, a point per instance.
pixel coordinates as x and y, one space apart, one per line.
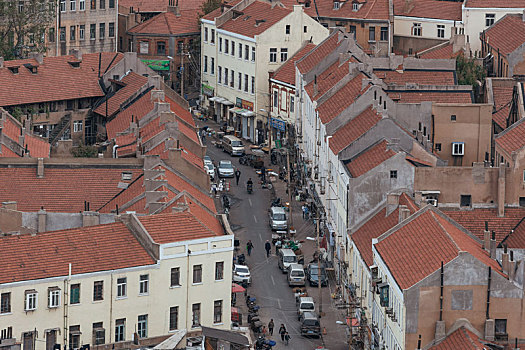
458 148
432 201
389 310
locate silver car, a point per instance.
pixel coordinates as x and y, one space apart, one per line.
225 169
210 169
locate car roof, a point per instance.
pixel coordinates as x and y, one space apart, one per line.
310 314
236 266
226 161
306 299
316 265
278 210
296 266
286 251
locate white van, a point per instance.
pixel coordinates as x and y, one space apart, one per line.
296 276
286 257
233 145
304 304
277 219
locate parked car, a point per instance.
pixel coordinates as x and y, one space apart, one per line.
296 275
286 257
304 304
233 145
241 273
277 218
225 169
207 160
310 324
313 275
210 169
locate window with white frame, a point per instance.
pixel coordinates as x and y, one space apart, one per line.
273 54
205 35
292 103
82 32
246 52
196 315
233 48
205 64
121 287
458 148
240 81
144 284
253 85
212 65
219 270
284 54
30 300
120 330
253 53
232 80
212 36
416 29
245 82
62 5
77 126
489 19
142 326
441 30
219 71
226 76
53 297
217 311
355 6
220 44
197 273
240 50
82 5
73 5
226 46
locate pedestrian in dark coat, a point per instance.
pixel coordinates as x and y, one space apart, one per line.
282 331
249 247
270 327
267 247
286 338
237 176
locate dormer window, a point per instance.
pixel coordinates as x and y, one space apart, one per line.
337 5
355 6
13 69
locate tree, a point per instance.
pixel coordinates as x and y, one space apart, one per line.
209 5
84 151
23 25
468 72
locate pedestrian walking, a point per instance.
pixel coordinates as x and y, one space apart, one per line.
203 136
303 207
237 176
270 327
282 331
249 247
267 247
286 338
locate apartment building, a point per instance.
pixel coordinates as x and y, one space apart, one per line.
240 46
88 26
144 277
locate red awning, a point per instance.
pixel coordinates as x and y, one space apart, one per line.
237 289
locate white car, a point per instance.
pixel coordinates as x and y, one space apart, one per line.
210 169
241 273
225 169
207 160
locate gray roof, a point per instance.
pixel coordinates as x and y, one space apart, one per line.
230 336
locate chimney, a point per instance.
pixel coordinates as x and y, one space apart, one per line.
404 213
1 62
505 260
512 266
392 201
393 144
418 198
316 88
486 237
90 218
489 329
523 16
39 57
76 53
11 205
40 168
493 245
440 331
501 190
21 137
42 218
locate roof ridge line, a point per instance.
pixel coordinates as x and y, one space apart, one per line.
446 232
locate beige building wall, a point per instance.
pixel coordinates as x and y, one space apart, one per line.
470 124
156 303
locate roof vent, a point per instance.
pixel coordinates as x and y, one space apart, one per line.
247 18
237 13
74 64
126 176
32 69
14 69
259 21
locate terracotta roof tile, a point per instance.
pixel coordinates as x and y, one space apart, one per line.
513 138
354 129
134 190
423 77
87 249
439 52
507 34
37 146
182 185
328 78
133 83
516 237
502 97
369 159
55 80
168 23
286 73
142 6
256 18
427 9
5 152
422 96
315 56
11 128
369 9
460 339
167 228
495 3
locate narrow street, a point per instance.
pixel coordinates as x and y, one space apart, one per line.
249 219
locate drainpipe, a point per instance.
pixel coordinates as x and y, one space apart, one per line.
115 151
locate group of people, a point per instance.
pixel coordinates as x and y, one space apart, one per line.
267 247
285 337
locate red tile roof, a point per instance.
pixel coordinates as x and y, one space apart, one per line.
11 128
417 248
61 189
168 23
328 78
474 220
369 159
516 237
460 339
87 249
369 9
439 52
319 53
448 10
502 98
256 18
513 138
507 34
376 226
494 3
37 146
354 129
142 6
133 83
182 185
423 77
55 80
6 152
167 228
422 96
286 73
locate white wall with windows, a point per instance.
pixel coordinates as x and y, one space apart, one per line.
425 28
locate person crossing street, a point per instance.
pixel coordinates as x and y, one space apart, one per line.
267 247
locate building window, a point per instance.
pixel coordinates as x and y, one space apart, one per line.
93 5
30 300
81 5
305 29
220 44
220 74
205 35
120 329
226 46
233 48
144 284
73 5
458 148
62 5
453 118
284 54
336 5
197 273
77 126
253 85
500 328
99 333
384 34
74 294
489 19
273 54
5 303
393 174
98 290
352 30
232 80
355 6
438 147
102 30
441 31
161 48
275 98
180 46
226 76
62 34
372 34
240 50
121 287
253 53
81 32
219 270
205 64
142 326
383 296
287 29
52 35
196 315
175 277
416 29
72 33
212 36
111 4
74 337
465 200
212 65
292 103
92 31
53 297
174 318
111 30
217 311
245 82
246 52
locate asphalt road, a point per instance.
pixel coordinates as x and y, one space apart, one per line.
249 217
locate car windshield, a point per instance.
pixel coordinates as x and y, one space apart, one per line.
307 306
279 217
237 143
242 270
209 166
297 273
311 323
207 159
289 259
226 165
314 270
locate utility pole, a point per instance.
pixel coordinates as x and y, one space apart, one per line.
269 129
182 70
319 267
290 217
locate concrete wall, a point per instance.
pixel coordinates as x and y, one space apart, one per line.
60 221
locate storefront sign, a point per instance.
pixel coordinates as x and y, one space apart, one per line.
278 124
157 64
244 104
207 90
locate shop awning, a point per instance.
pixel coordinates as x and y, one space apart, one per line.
242 111
224 101
236 110
214 98
248 113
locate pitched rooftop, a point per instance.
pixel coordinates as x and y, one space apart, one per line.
423 77
461 339
507 34
448 10
433 96
512 139
502 96
369 159
142 6
168 23
315 56
368 9
286 73
131 85
495 4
